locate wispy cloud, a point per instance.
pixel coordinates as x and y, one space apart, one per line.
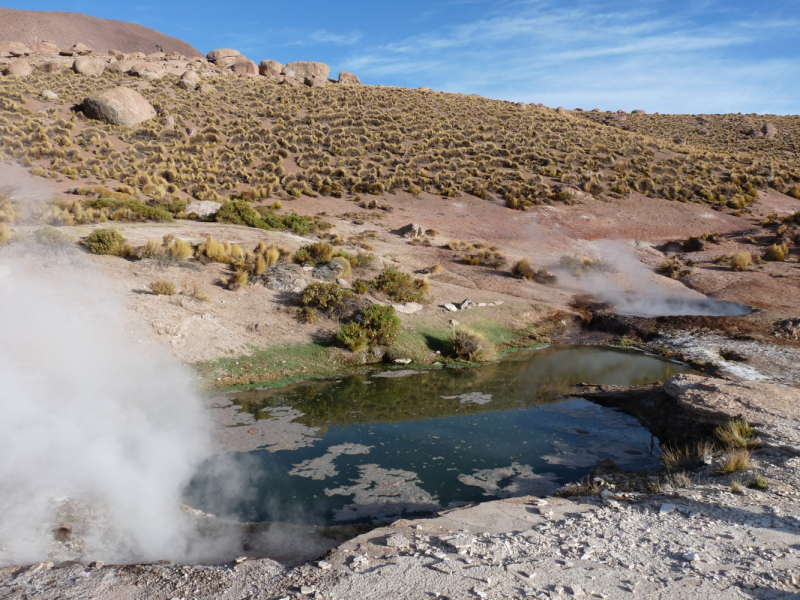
598 53
322 36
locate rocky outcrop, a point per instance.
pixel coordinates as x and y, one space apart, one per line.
147 71
348 78
51 66
270 68
638 112
189 80
203 209
215 55
768 130
119 106
20 51
244 66
78 49
411 230
302 69
314 82
19 68
45 47
226 62
92 67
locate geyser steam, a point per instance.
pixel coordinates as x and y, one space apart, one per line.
88 416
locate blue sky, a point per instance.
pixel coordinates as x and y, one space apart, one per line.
705 56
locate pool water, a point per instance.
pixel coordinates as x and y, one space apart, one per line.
404 443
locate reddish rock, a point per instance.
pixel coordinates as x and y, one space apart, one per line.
348 78
769 131
314 82
244 66
189 80
303 69
85 65
19 68
270 68
215 55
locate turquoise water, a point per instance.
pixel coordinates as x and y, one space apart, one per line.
405 442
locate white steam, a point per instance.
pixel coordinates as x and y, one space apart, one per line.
88 419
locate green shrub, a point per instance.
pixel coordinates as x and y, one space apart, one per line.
360 286
471 345
353 336
379 327
107 241
134 207
342 266
316 254
323 296
362 260
307 315
50 236
401 287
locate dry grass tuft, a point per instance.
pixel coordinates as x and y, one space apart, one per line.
737 435
162 287
470 345
741 260
776 253
675 459
734 460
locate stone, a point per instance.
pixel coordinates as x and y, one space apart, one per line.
244 66
19 68
49 96
270 68
303 69
215 55
174 56
20 51
189 80
146 70
206 88
398 541
77 50
313 81
119 106
226 62
155 56
169 122
451 307
91 67
51 66
768 130
324 565
466 304
290 81
638 112
7 47
203 209
402 361
346 78
562 111
666 508
691 556
412 231
307 590
408 308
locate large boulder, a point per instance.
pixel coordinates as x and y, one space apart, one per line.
768 130
348 78
303 69
638 111
86 65
289 80
146 71
203 209
19 68
314 82
189 80
119 106
51 66
270 68
20 51
226 62
244 66
7 47
155 56
77 50
45 47
174 56
215 55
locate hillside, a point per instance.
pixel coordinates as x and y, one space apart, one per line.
101 35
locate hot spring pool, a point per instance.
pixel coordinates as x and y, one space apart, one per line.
406 443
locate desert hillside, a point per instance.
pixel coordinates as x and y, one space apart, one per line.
65 29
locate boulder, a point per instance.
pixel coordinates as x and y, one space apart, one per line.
19 68
136 55
638 112
155 56
768 130
76 50
189 80
174 56
86 65
203 209
20 51
290 81
244 66
215 55
119 106
348 78
51 66
45 47
206 88
303 69
49 96
270 68
7 47
146 71
412 230
314 82
562 111
226 62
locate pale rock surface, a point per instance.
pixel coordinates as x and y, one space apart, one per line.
203 209
303 69
313 81
348 78
270 68
49 96
189 80
215 55
244 66
91 67
19 68
119 106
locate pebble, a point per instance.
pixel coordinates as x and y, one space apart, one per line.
666 508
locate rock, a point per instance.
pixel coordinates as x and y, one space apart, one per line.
324 565
666 508
49 96
226 62
576 590
412 231
595 110
691 556
562 111
146 71
175 55
768 130
20 51
408 308
307 590
203 209
7 47
313 81
451 307
244 66
77 50
119 106
189 80
155 56
459 542
402 361
206 88
215 55
398 540
19 68
91 67
303 69
348 78
51 66
638 112
169 122
270 68
466 304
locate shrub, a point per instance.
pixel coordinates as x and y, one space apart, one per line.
342 266
316 254
194 292
471 345
353 336
734 460
307 315
323 296
675 459
776 253
362 260
238 280
523 269
5 234
401 287
162 287
107 241
741 260
736 434
379 326
129 209
360 286
49 236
